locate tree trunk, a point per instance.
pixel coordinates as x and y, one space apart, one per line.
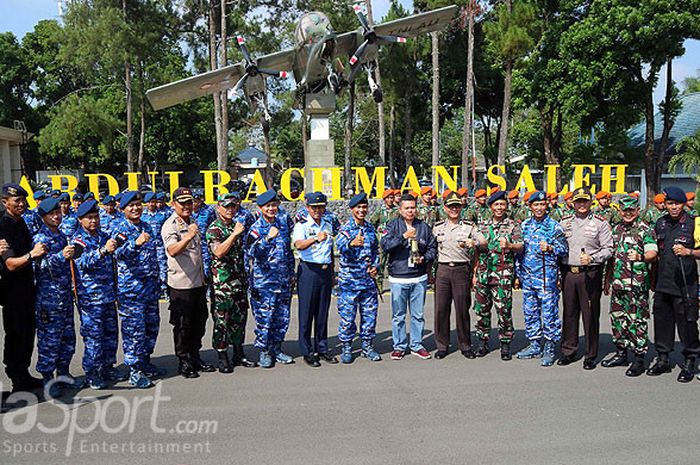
217 97
222 153
266 148
551 122
129 113
505 114
407 135
649 152
392 120
347 148
142 136
435 101
668 121
468 99
380 105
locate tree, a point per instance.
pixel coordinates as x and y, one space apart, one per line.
688 157
15 82
691 83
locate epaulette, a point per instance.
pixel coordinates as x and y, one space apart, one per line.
600 217
439 223
567 217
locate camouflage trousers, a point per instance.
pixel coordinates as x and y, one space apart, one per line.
383 262
271 307
230 314
55 335
629 316
499 297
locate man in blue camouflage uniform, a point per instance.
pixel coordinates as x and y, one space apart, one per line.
97 294
162 205
32 217
544 244
272 276
155 217
358 246
109 216
69 222
54 297
139 288
204 215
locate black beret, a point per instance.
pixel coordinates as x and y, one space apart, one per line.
357 199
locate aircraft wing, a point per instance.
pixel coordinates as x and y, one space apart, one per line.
194 87
347 43
278 61
421 23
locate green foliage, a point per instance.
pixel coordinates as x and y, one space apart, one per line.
14 83
688 157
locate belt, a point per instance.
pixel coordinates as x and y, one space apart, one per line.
323 266
453 264
581 268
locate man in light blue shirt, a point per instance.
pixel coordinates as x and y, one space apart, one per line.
313 238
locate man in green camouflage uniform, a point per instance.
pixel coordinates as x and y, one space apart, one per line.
655 211
556 212
425 210
627 280
379 218
479 212
690 204
230 307
516 210
604 208
495 274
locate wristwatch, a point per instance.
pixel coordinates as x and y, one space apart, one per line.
29 257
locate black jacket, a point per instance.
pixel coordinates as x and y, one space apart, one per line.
399 249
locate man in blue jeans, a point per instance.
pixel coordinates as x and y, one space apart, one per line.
411 247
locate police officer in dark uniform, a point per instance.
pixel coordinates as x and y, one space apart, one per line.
17 291
675 298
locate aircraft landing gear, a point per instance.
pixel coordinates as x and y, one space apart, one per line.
377 93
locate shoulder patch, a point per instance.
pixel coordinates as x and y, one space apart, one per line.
600 217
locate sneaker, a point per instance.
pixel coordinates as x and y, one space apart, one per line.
265 359
139 380
111 374
346 354
422 354
369 353
531 351
281 357
69 381
548 354
397 354
95 381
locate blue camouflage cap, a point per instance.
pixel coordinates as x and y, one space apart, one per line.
108 199
15 190
89 206
128 197
47 206
358 199
149 196
266 197
675 193
498 195
39 195
537 196
316 199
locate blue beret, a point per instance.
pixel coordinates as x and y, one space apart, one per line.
88 196
47 206
536 196
77 196
107 199
675 193
15 190
64 197
498 195
316 198
266 197
198 193
160 196
39 195
128 197
357 199
89 206
55 193
149 196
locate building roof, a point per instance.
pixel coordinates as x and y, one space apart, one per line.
250 153
687 124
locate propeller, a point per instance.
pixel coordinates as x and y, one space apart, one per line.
251 67
370 36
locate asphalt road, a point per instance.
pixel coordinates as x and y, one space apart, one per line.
451 411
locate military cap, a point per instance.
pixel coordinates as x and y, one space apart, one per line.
13 190
316 199
690 195
480 193
266 197
537 196
358 199
108 199
89 206
198 193
64 197
493 189
513 194
462 191
128 197
634 194
387 193
229 199
603 195
527 195
453 198
55 193
582 193
675 193
426 190
118 197
39 195
498 195
160 196
628 201
77 196
568 195
149 196
88 196
659 198
446 193
552 195
183 194
47 206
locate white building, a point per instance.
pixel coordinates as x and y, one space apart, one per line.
10 160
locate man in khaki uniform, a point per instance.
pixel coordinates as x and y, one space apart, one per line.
457 242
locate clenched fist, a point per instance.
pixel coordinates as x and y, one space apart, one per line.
39 250
68 252
273 233
143 238
359 240
111 245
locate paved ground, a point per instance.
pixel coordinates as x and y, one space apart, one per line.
454 411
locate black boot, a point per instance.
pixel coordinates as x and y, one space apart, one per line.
687 370
661 366
637 367
224 363
200 365
483 348
239 358
186 369
505 352
617 360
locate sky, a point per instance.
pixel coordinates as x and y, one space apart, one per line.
20 16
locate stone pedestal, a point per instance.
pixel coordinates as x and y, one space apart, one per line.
320 149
